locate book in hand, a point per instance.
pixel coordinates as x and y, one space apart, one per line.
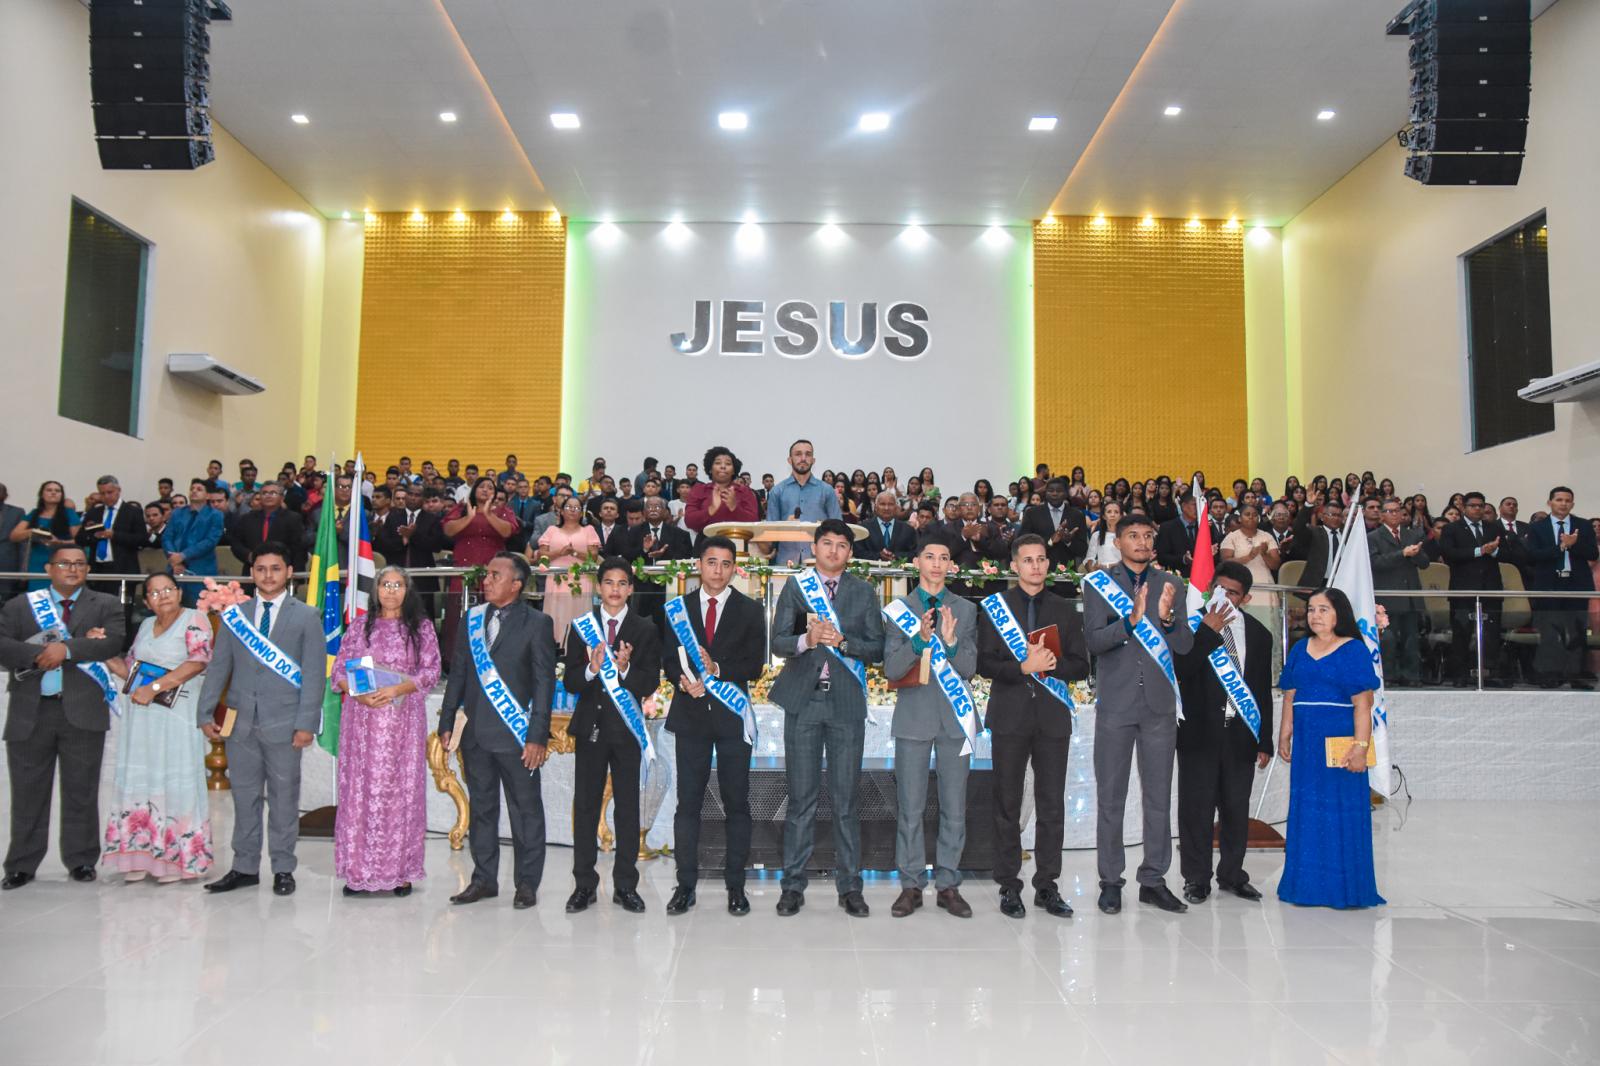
141 674
1051 635
364 678
918 674
1337 747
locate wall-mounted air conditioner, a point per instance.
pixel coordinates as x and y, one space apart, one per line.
1579 383
207 373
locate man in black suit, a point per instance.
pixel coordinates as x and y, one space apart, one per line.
1217 752
58 715
1176 539
522 646
602 740
998 531
1063 527
730 630
411 534
888 539
609 527
653 540
1471 547
113 531
343 493
1398 559
254 528
1561 549
1027 723
1514 540
1318 544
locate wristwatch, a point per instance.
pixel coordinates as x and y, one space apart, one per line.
844 647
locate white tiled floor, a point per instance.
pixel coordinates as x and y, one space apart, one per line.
1489 953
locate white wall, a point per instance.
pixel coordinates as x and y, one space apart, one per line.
237 270
1376 336
964 407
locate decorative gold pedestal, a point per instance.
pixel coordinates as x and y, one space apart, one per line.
216 762
446 781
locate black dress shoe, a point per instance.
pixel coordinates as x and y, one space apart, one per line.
1583 686
628 900
1111 899
1161 896
1195 892
283 884
526 897
351 893
1050 901
15 879
233 879
474 892
581 900
82 874
1011 903
855 905
789 903
1244 890
682 899
738 902
403 890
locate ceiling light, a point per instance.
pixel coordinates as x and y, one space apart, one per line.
676 232
1041 123
1232 223
458 216
1147 221
508 215
299 119
1172 111
447 116
1048 220
1100 220
733 120
555 216
830 234
418 216
1260 235
914 236
371 217
345 215
1194 223
873 122
1325 115
564 120
749 238
996 237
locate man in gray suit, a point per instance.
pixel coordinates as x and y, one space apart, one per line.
58 715
522 646
1398 560
925 725
1136 709
825 712
274 719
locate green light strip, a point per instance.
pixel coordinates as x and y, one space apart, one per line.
574 335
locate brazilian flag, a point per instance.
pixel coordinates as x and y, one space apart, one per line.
326 594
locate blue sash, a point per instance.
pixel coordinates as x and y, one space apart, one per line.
1016 642
816 596
44 614
512 713
1149 638
727 693
1233 684
267 653
588 628
944 673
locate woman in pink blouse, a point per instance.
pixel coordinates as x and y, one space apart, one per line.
724 498
479 528
570 541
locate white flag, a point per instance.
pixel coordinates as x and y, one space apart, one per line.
1352 575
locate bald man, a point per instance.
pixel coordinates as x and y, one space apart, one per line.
889 538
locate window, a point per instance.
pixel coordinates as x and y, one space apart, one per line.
103 338
1508 333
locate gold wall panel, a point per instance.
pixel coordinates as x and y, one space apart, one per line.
461 324
1139 353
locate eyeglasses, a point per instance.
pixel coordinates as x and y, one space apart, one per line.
71 566
163 591
393 586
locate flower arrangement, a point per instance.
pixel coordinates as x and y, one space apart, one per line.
669 571
218 598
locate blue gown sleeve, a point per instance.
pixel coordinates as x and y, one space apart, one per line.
1359 676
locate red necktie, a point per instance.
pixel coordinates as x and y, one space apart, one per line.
66 612
611 632
266 523
711 622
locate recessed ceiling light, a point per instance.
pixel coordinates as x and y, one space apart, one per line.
447 116
564 120
914 235
345 215
873 122
299 119
418 216
1172 110
1041 123
733 120
508 215
1325 115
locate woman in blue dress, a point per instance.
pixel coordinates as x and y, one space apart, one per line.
1328 684
51 523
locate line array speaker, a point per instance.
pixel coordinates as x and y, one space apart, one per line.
148 74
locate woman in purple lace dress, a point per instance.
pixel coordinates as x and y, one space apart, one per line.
383 743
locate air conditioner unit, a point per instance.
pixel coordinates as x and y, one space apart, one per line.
1579 383
207 373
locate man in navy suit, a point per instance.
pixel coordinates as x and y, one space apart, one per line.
889 539
1561 548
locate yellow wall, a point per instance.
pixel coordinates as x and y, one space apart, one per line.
1139 343
461 322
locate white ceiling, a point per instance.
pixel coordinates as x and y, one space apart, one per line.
960 78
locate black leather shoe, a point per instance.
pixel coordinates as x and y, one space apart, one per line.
82 874
1583 686
351 893
474 892
1244 890
682 899
16 879
1050 901
1161 896
403 890
526 897
1011 903
628 900
581 900
738 902
789 903
1195 892
951 901
1111 899
283 884
233 879
855 905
